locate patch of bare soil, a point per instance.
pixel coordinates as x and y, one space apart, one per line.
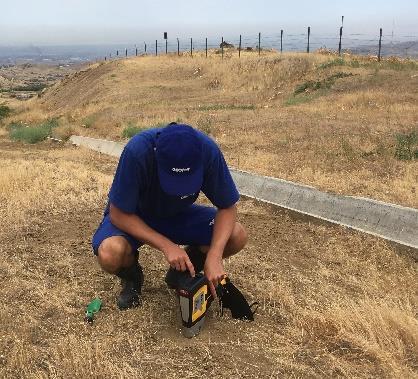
333 302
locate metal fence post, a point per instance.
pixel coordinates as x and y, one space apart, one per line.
339 45
239 48
281 41
222 47
380 46
259 43
156 47
309 36
206 47
191 47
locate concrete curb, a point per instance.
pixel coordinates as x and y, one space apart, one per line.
392 222
102 146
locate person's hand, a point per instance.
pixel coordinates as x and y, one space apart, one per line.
214 271
178 259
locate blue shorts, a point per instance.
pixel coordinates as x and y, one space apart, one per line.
194 226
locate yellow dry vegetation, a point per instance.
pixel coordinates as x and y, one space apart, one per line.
333 302
340 137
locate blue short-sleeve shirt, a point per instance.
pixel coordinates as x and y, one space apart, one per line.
136 188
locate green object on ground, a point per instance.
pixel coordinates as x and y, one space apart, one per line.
92 308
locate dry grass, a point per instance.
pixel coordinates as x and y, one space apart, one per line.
30 185
334 303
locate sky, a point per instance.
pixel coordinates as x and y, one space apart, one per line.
110 21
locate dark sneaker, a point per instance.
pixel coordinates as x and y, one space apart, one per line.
132 279
197 258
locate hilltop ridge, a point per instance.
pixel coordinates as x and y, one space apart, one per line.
328 121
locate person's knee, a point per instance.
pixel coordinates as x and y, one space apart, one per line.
112 253
240 236
237 241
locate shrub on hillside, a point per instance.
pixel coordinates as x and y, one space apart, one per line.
89 121
32 134
131 130
340 62
217 107
4 111
51 123
334 62
32 87
326 83
407 146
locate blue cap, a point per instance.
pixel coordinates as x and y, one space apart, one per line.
178 151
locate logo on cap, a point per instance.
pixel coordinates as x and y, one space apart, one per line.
180 169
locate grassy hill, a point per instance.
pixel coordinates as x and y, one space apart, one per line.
341 124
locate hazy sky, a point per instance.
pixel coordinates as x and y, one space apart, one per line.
111 21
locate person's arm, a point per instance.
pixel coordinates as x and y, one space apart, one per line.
224 224
220 189
136 227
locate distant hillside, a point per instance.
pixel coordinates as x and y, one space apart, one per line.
50 54
403 49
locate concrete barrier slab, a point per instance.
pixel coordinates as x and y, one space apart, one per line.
390 221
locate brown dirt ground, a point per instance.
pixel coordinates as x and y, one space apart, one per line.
334 302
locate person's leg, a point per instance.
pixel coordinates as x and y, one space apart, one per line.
236 242
194 228
117 254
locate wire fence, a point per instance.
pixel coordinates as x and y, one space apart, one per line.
379 44
341 40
